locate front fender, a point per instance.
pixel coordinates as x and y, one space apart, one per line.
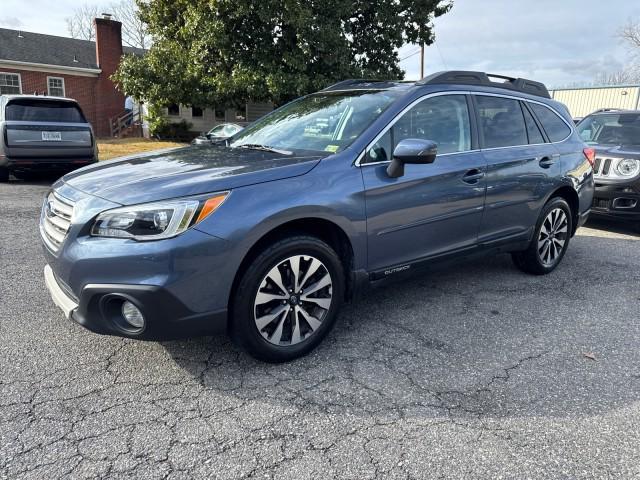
332 191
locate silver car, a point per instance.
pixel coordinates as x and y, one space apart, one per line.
39 134
217 133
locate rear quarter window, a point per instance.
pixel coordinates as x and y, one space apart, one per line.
44 111
557 130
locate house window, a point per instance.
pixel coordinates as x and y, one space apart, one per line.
55 86
219 113
10 83
196 112
173 110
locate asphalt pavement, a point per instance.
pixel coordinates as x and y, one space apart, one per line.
473 371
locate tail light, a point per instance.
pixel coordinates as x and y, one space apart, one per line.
590 154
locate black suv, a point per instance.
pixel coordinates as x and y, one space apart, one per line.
615 135
39 134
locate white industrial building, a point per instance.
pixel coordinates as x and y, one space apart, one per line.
585 100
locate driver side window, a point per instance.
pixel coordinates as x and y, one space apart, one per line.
443 119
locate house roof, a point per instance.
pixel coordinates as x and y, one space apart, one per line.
30 47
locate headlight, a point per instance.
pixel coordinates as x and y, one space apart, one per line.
155 221
628 167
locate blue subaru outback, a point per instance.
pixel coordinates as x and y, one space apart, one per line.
267 235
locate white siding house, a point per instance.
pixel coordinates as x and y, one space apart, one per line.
205 119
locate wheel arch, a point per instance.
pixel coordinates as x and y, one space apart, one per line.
571 197
326 230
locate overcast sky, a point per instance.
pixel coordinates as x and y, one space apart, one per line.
559 42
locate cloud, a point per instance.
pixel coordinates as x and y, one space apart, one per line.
555 42
10 22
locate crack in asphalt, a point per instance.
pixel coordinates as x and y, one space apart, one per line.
475 375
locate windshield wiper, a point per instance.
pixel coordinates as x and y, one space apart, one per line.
264 148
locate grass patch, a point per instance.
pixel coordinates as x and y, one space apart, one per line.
118 147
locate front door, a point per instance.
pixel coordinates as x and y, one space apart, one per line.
433 209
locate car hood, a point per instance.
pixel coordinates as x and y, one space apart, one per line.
186 171
619 151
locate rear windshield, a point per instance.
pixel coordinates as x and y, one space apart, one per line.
44 111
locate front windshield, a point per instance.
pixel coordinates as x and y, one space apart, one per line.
611 129
216 130
327 122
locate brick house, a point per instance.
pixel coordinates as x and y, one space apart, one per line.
67 67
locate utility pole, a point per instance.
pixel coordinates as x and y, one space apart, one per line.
422 60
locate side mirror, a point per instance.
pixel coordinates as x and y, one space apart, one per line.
411 150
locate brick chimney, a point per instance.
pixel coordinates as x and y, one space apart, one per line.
109 101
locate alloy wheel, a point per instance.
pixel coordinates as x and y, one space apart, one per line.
553 236
293 300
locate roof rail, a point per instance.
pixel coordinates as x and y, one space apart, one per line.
355 81
485 79
602 110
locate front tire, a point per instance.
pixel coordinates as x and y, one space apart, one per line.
4 174
288 298
550 240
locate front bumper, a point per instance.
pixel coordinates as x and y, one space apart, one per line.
59 297
165 316
616 201
46 164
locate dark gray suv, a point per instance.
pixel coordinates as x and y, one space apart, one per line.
266 236
43 134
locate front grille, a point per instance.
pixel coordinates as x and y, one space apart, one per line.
602 203
55 220
596 166
604 168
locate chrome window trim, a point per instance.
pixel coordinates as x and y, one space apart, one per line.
358 162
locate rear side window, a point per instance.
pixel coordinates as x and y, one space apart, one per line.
501 121
557 130
44 111
535 135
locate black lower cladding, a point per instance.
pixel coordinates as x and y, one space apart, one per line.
617 201
166 317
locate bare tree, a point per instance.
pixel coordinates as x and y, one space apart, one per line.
620 77
134 30
630 34
80 24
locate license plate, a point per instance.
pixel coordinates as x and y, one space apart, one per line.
51 136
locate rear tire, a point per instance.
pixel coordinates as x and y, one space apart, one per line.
287 299
550 240
4 174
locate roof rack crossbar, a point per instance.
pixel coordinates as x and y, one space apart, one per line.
460 77
354 81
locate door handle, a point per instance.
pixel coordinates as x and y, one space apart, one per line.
546 162
472 176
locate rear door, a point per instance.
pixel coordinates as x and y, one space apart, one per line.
41 128
432 209
519 164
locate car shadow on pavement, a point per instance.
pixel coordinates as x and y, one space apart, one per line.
613 226
479 340
42 179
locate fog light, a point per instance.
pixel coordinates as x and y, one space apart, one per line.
132 315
